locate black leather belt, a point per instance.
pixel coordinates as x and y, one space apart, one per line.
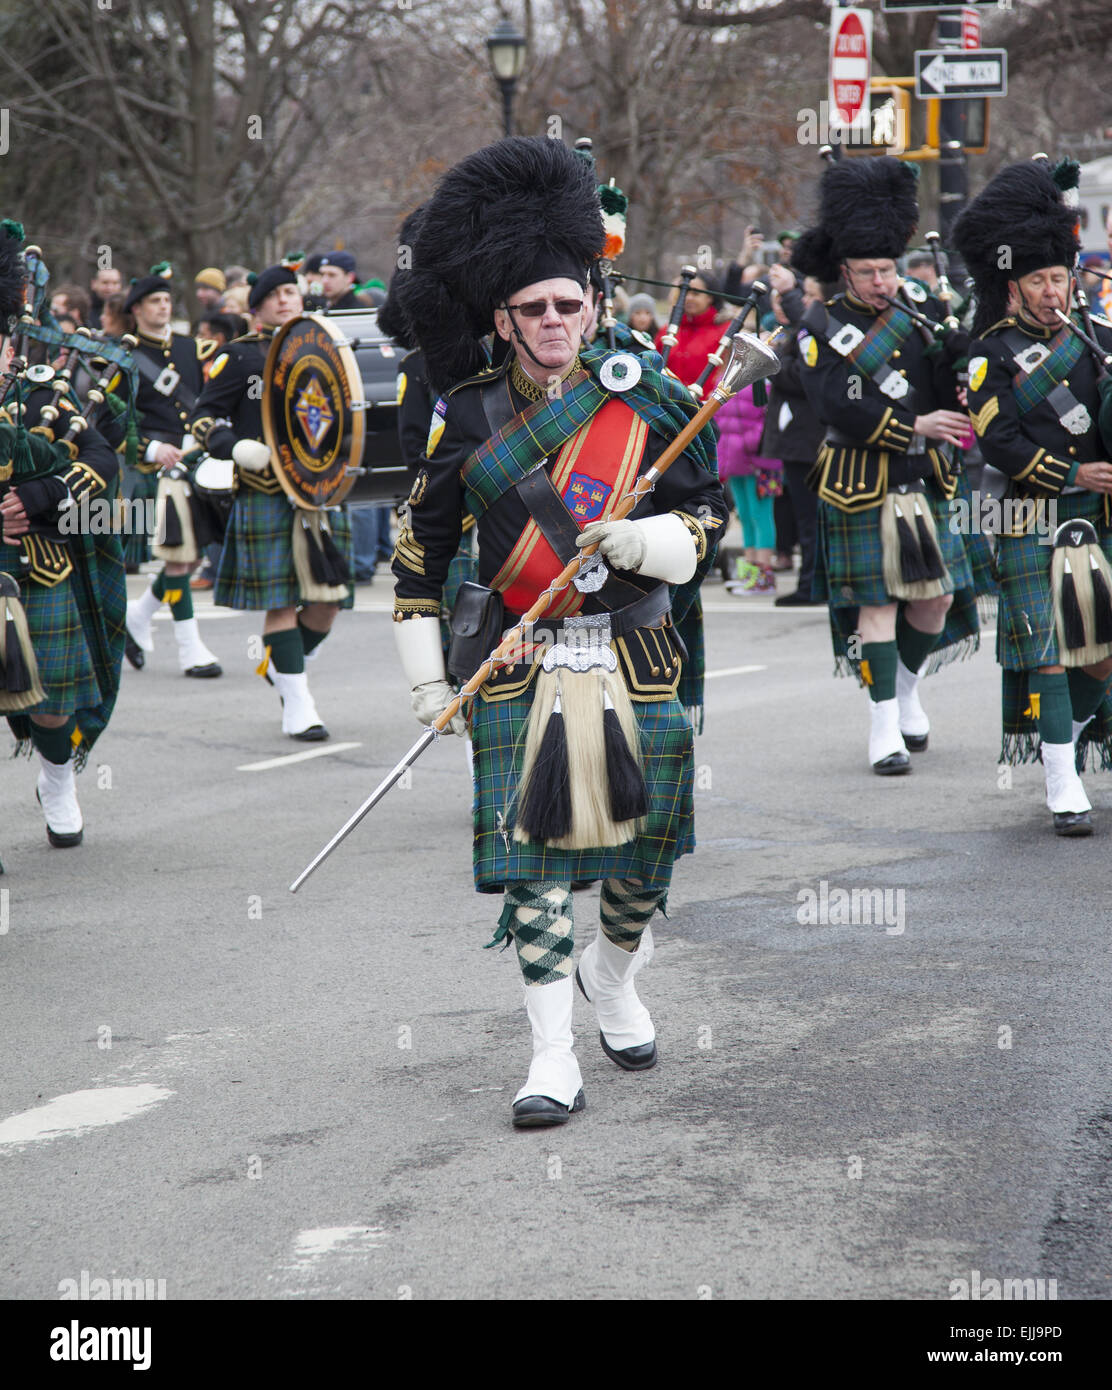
650 610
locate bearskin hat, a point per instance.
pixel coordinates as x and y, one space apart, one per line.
521 210
13 273
1018 224
868 208
392 316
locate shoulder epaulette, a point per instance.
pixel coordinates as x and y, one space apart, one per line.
205 348
1009 322
480 378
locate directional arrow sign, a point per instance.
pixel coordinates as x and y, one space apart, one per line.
951 72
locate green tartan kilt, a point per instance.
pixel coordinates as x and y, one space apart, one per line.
849 562
66 666
137 486
1026 637
667 741
256 564
849 574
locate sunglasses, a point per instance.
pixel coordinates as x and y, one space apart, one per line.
535 309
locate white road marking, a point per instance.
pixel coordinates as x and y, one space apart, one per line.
311 1246
733 671
268 763
80 1111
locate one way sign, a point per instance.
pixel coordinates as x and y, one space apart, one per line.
955 72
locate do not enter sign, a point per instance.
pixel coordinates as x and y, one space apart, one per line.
851 35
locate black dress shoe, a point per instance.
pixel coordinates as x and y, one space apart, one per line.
531 1112
60 841
916 743
894 765
639 1058
797 600
315 733
1074 823
133 651
206 673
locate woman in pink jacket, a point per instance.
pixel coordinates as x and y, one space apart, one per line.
753 482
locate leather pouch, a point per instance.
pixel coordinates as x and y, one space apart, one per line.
476 629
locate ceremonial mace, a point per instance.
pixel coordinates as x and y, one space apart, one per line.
750 360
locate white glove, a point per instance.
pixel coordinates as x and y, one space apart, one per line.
251 454
620 543
658 546
431 700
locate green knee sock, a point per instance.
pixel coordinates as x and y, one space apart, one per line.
286 651
176 590
55 745
878 670
625 908
914 646
539 918
1050 703
158 584
1086 693
310 637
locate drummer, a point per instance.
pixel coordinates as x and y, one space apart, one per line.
257 567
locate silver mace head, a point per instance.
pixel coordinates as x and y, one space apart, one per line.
749 360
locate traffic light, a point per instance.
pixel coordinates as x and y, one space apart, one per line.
973 116
890 121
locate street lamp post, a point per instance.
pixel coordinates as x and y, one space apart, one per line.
506 48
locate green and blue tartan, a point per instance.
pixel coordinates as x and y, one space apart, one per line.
531 436
667 741
1026 636
1029 388
849 574
884 336
137 486
77 632
256 564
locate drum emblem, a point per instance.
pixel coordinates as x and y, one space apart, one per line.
314 414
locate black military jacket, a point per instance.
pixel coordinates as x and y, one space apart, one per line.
1035 449
230 405
164 404
871 443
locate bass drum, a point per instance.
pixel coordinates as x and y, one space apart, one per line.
384 477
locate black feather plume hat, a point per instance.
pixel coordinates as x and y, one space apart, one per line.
1018 224
13 272
868 209
522 210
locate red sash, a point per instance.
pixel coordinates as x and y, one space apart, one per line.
595 467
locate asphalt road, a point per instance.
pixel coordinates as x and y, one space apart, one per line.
309 1097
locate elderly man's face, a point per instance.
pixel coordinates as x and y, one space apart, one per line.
554 336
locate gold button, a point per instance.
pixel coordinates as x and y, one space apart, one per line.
1073 449
1065 383
896 353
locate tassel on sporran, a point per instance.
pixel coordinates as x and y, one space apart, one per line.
912 558
174 536
1081 589
581 784
20 686
322 572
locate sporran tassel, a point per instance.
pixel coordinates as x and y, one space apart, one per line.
20 686
545 812
912 558
322 572
583 743
175 538
1081 589
1102 603
629 798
